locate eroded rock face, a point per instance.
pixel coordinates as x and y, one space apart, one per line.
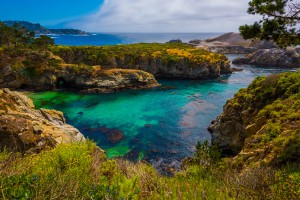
182 69
271 57
228 130
92 80
25 129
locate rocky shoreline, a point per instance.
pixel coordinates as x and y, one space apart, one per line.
27 130
271 57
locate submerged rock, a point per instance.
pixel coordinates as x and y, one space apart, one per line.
25 129
113 135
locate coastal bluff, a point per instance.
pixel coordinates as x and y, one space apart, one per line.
261 124
173 60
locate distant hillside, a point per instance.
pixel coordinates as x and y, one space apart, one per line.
231 39
39 29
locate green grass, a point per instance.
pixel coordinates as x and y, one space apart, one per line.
82 171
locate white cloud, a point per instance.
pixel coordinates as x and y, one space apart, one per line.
167 16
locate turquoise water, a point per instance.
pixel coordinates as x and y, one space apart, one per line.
158 125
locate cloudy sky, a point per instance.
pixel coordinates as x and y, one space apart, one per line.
134 15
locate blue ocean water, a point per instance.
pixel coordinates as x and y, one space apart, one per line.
158 125
99 39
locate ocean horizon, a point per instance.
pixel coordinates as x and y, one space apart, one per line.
102 39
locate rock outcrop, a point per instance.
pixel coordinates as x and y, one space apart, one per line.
271 57
98 80
261 124
25 129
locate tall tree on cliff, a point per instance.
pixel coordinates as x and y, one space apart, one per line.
280 21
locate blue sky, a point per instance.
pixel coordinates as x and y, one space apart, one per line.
47 12
132 15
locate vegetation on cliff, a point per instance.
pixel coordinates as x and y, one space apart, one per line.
169 53
260 126
270 120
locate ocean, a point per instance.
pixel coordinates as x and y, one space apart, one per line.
100 39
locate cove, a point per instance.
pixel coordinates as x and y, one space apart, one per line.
160 125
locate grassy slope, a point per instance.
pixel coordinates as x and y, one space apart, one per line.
82 171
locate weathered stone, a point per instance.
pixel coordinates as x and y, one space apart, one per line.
24 129
252 129
261 121
37 129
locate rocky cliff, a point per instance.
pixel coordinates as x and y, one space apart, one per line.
172 60
261 124
34 71
25 129
271 57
